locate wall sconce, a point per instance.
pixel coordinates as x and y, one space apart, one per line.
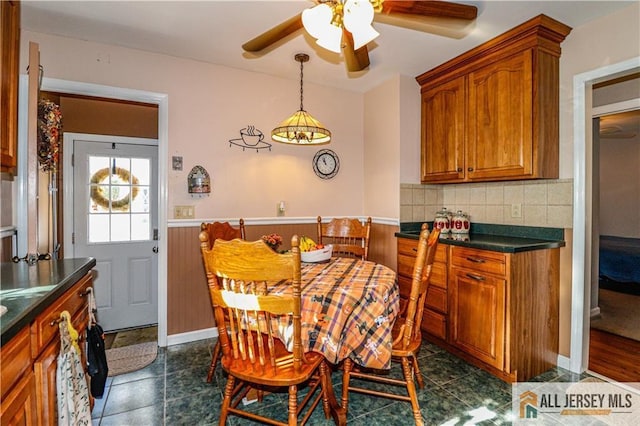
199 182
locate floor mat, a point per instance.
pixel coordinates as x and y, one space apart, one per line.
131 358
134 336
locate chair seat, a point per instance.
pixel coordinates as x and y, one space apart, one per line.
398 349
282 374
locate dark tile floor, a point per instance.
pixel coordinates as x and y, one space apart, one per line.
173 391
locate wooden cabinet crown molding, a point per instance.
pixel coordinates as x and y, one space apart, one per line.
541 31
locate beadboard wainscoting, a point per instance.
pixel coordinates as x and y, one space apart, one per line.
188 304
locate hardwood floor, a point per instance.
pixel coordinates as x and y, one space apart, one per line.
614 356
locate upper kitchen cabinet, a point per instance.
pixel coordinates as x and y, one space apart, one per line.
9 66
491 113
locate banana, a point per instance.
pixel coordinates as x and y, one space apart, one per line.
307 244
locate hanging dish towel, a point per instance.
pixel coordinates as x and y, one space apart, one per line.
73 394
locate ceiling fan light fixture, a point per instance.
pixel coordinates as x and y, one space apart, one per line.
301 128
331 39
357 19
316 19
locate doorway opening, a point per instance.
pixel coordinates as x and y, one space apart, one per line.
131 95
585 255
614 344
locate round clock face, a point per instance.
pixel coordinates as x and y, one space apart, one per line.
326 163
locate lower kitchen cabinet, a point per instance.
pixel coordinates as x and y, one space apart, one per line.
497 310
29 360
18 397
478 306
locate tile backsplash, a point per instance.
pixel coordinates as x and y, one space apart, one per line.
547 203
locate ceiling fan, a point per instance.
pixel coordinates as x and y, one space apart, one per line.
408 14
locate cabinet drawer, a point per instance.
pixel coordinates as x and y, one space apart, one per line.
408 246
437 299
438 276
405 265
480 260
441 253
42 330
434 323
404 285
16 359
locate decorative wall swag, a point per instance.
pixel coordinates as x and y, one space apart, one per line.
49 129
250 138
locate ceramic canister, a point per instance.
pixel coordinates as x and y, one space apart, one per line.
442 221
461 223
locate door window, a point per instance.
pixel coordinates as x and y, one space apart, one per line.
119 189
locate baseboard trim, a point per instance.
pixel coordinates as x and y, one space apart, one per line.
565 362
192 336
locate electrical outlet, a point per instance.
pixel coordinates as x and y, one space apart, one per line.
184 212
516 210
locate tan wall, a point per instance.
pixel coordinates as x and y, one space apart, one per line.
188 305
109 117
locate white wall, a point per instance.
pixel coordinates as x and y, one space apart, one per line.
608 40
620 187
410 131
208 105
381 122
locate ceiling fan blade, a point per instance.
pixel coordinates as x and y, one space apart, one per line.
356 60
274 34
437 9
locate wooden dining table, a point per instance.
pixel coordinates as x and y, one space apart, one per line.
348 307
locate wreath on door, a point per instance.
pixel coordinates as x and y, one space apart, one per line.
101 196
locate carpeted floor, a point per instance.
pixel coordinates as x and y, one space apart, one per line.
618 314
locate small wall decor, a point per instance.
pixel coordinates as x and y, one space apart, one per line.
176 163
199 182
250 138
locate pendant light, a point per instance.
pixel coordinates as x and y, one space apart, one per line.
301 128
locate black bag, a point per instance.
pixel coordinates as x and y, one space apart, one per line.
96 355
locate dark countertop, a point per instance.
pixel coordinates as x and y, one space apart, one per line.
502 238
26 290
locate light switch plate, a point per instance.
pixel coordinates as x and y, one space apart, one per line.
184 212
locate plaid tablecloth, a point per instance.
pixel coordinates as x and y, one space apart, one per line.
348 310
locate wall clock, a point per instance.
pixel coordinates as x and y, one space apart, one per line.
326 164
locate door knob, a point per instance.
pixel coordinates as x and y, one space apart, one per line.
155 249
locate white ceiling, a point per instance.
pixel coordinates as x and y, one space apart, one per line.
213 31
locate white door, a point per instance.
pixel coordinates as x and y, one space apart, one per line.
115 221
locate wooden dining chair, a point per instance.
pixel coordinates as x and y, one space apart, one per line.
249 321
406 336
225 231
349 237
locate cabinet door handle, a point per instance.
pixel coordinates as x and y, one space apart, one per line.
475 277
459 169
470 169
475 260
415 249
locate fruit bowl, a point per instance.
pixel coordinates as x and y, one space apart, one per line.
319 255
